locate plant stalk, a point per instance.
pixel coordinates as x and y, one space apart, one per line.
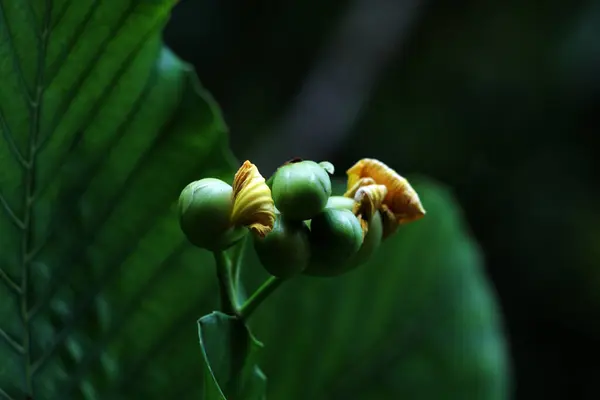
259 296
226 289
236 270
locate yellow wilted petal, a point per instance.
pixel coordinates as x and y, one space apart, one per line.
364 225
368 199
401 199
252 202
357 185
388 221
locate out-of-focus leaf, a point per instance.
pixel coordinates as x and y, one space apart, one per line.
419 321
229 353
101 127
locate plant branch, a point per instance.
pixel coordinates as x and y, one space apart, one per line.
236 270
226 289
259 296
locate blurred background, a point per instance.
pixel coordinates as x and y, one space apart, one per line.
496 100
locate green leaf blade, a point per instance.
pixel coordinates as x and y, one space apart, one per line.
229 352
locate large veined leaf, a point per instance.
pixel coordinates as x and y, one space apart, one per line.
419 321
101 127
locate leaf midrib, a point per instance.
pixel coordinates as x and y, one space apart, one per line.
28 197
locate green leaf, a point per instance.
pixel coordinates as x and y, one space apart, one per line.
101 127
419 321
229 353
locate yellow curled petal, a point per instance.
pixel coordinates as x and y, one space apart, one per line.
364 225
252 202
368 199
388 221
357 185
401 199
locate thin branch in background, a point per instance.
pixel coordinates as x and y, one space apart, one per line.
336 90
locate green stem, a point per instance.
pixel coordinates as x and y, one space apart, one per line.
226 289
259 296
236 269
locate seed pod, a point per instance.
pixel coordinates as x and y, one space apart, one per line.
204 214
285 251
335 238
301 189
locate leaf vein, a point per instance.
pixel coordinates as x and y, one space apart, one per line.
45 300
92 171
131 375
12 343
97 106
15 56
84 305
29 185
72 94
78 33
10 282
119 323
11 214
118 134
32 20
61 13
5 395
8 137
110 273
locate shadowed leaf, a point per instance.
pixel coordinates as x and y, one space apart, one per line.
229 353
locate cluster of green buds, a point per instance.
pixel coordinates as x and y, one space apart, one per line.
297 225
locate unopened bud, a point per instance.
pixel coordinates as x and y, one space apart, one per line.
301 189
204 214
335 238
285 251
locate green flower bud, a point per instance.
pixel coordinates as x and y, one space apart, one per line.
285 251
301 189
335 238
340 203
204 214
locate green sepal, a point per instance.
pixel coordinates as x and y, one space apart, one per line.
327 166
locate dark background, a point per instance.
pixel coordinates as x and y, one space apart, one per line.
498 100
